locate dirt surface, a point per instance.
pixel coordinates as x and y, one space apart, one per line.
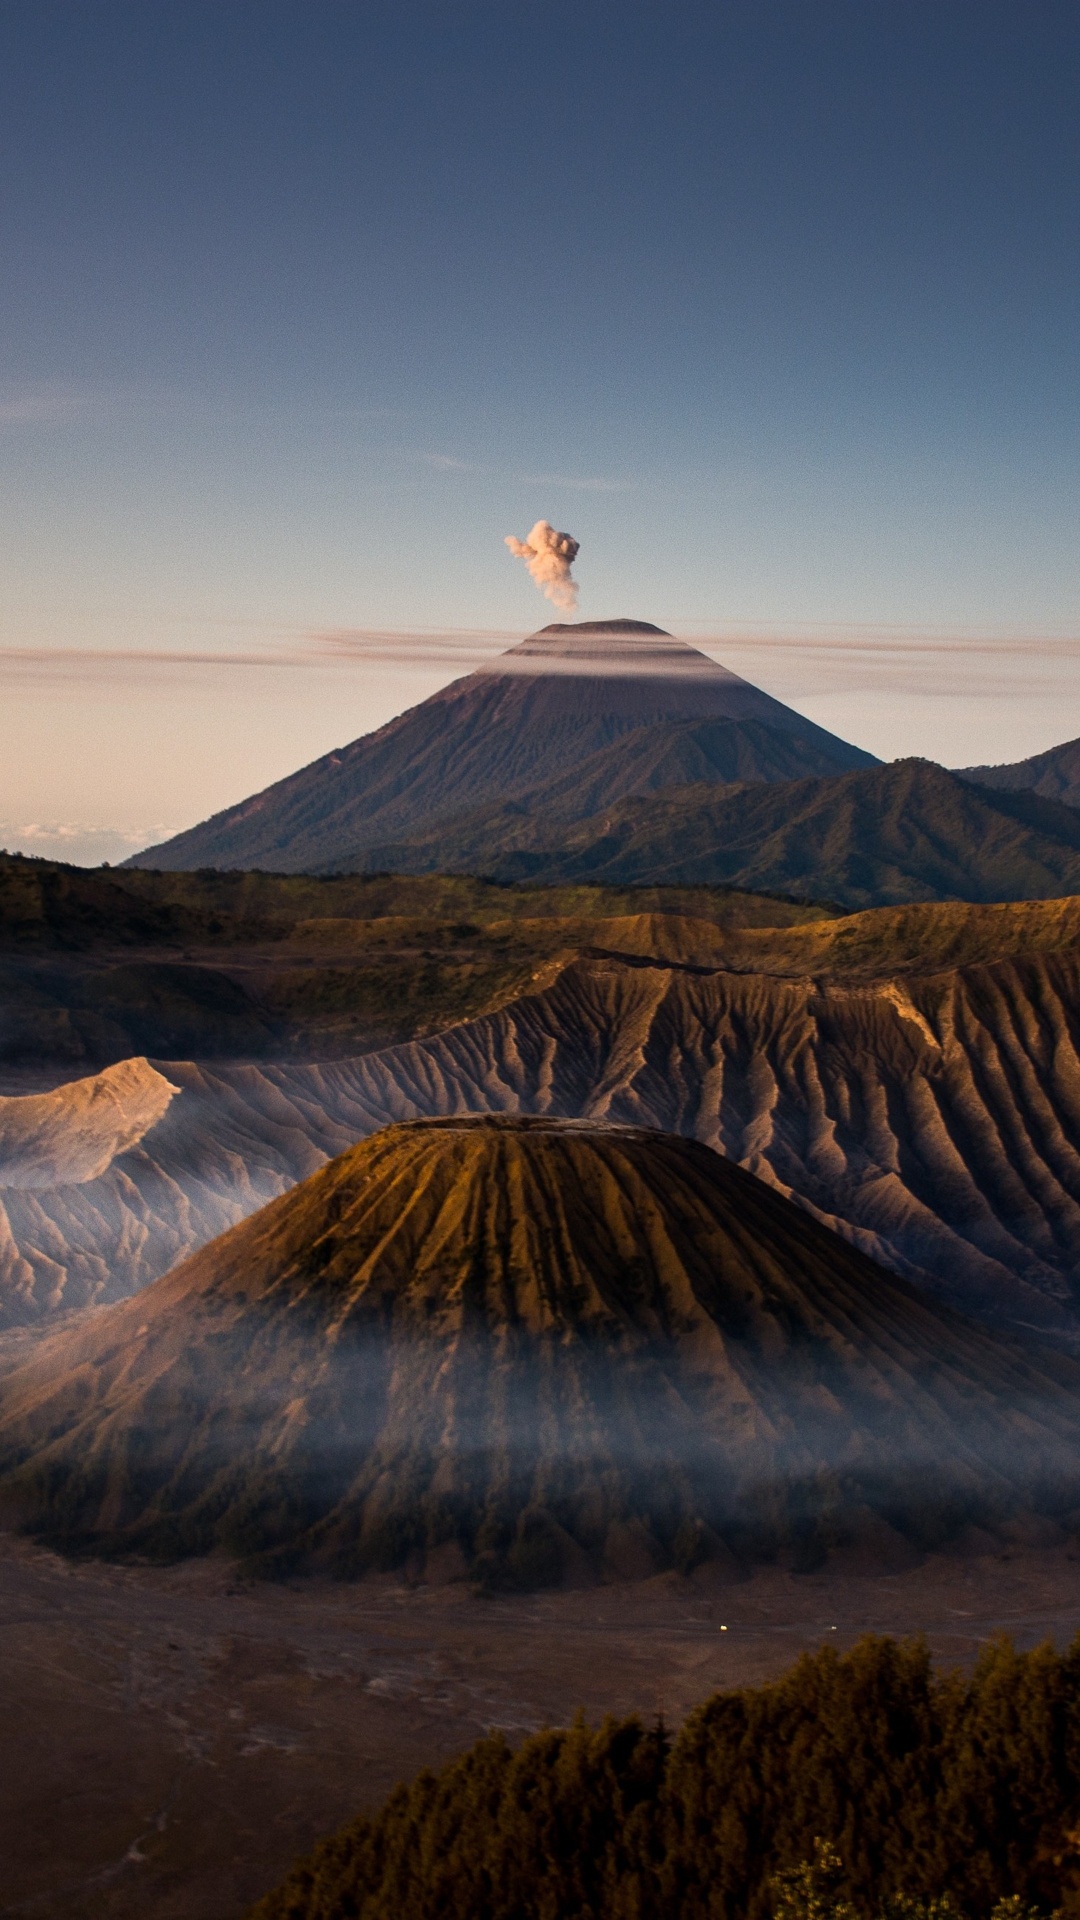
172 1739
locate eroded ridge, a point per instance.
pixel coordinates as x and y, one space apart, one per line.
932 1120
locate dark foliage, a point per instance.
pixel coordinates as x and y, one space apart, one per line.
880 836
98 965
929 1788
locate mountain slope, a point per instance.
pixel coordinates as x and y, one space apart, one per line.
563 695
904 832
1055 774
663 754
540 1344
889 1071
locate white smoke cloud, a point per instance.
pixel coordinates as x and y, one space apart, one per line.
549 557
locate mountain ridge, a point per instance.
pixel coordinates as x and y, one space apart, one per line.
902 832
1054 774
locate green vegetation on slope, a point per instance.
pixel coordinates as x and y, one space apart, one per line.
101 965
926 1786
877 837
43 903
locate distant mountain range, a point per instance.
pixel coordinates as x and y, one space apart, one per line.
880 837
1054 774
549 712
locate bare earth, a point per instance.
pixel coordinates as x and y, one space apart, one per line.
172 1739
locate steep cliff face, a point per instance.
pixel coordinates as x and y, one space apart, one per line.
931 1118
550 1347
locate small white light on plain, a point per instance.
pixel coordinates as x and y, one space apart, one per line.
723 1629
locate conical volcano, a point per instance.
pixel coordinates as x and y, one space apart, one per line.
536 1345
568 692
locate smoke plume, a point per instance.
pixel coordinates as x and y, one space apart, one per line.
549 557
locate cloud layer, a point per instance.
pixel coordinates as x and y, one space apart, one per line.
816 660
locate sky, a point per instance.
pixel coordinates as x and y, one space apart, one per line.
306 304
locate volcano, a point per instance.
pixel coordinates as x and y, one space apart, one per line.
551 702
529 1349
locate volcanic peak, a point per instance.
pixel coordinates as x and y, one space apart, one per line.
601 626
612 647
531 715
545 1348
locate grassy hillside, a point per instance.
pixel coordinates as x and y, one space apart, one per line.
44 903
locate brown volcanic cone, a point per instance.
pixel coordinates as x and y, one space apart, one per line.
533 1344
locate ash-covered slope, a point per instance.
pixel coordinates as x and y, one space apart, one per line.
1055 774
555 699
877 837
537 1346
75 1132
911 1076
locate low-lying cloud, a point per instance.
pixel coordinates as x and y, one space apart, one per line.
79 843
792 663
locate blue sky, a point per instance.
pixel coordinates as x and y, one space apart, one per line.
307 303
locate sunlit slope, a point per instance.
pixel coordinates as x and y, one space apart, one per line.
886 1069
544 1345
880 836
96 968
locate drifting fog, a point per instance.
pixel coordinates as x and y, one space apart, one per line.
271 1434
